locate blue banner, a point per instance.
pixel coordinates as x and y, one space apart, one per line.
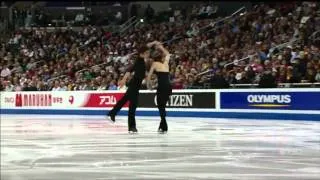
270 100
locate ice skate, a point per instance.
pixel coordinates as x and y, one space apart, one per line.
163 128
162 131
111 118
133 130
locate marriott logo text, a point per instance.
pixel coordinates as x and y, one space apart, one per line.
33 100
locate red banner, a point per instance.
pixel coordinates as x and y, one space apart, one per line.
33 99
104 99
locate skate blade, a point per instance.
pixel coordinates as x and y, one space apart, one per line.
162 132
110 120
132 132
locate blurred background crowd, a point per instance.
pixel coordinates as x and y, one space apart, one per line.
84 47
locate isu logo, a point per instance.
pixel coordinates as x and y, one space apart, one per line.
33 100
71 99
9 100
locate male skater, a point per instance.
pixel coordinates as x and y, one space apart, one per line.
132 93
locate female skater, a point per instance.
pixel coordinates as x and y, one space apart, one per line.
161 66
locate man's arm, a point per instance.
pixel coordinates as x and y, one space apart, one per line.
123 81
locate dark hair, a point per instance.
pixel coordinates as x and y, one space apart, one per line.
142 49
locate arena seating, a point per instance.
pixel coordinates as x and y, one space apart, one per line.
266 45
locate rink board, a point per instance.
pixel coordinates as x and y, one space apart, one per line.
280 104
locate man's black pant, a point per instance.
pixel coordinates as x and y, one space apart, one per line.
132 96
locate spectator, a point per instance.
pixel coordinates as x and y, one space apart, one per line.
41 86
57 86
134 10
9 87
267 80
28 19
190 84
16 84
2 88
63 87
87 85
5 72
32 86
218 81
25 86
231 78
103 85
118 17
112 86
177 83
79 19
117 4
149 13
317 78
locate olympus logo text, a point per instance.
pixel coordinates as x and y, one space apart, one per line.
269 100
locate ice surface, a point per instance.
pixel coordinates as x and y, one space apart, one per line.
91 148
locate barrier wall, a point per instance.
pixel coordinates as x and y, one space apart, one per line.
283 104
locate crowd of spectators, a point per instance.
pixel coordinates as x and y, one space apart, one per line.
57 13
59 60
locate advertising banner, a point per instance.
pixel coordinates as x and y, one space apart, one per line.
180 100
103 100
73 99
59 99
270 100
32 99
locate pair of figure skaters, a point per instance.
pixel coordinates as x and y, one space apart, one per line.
160 66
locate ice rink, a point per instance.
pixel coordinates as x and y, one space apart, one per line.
91 148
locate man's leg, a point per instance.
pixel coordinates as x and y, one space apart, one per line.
114 111
132 111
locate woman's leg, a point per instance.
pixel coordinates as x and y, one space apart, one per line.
162 101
